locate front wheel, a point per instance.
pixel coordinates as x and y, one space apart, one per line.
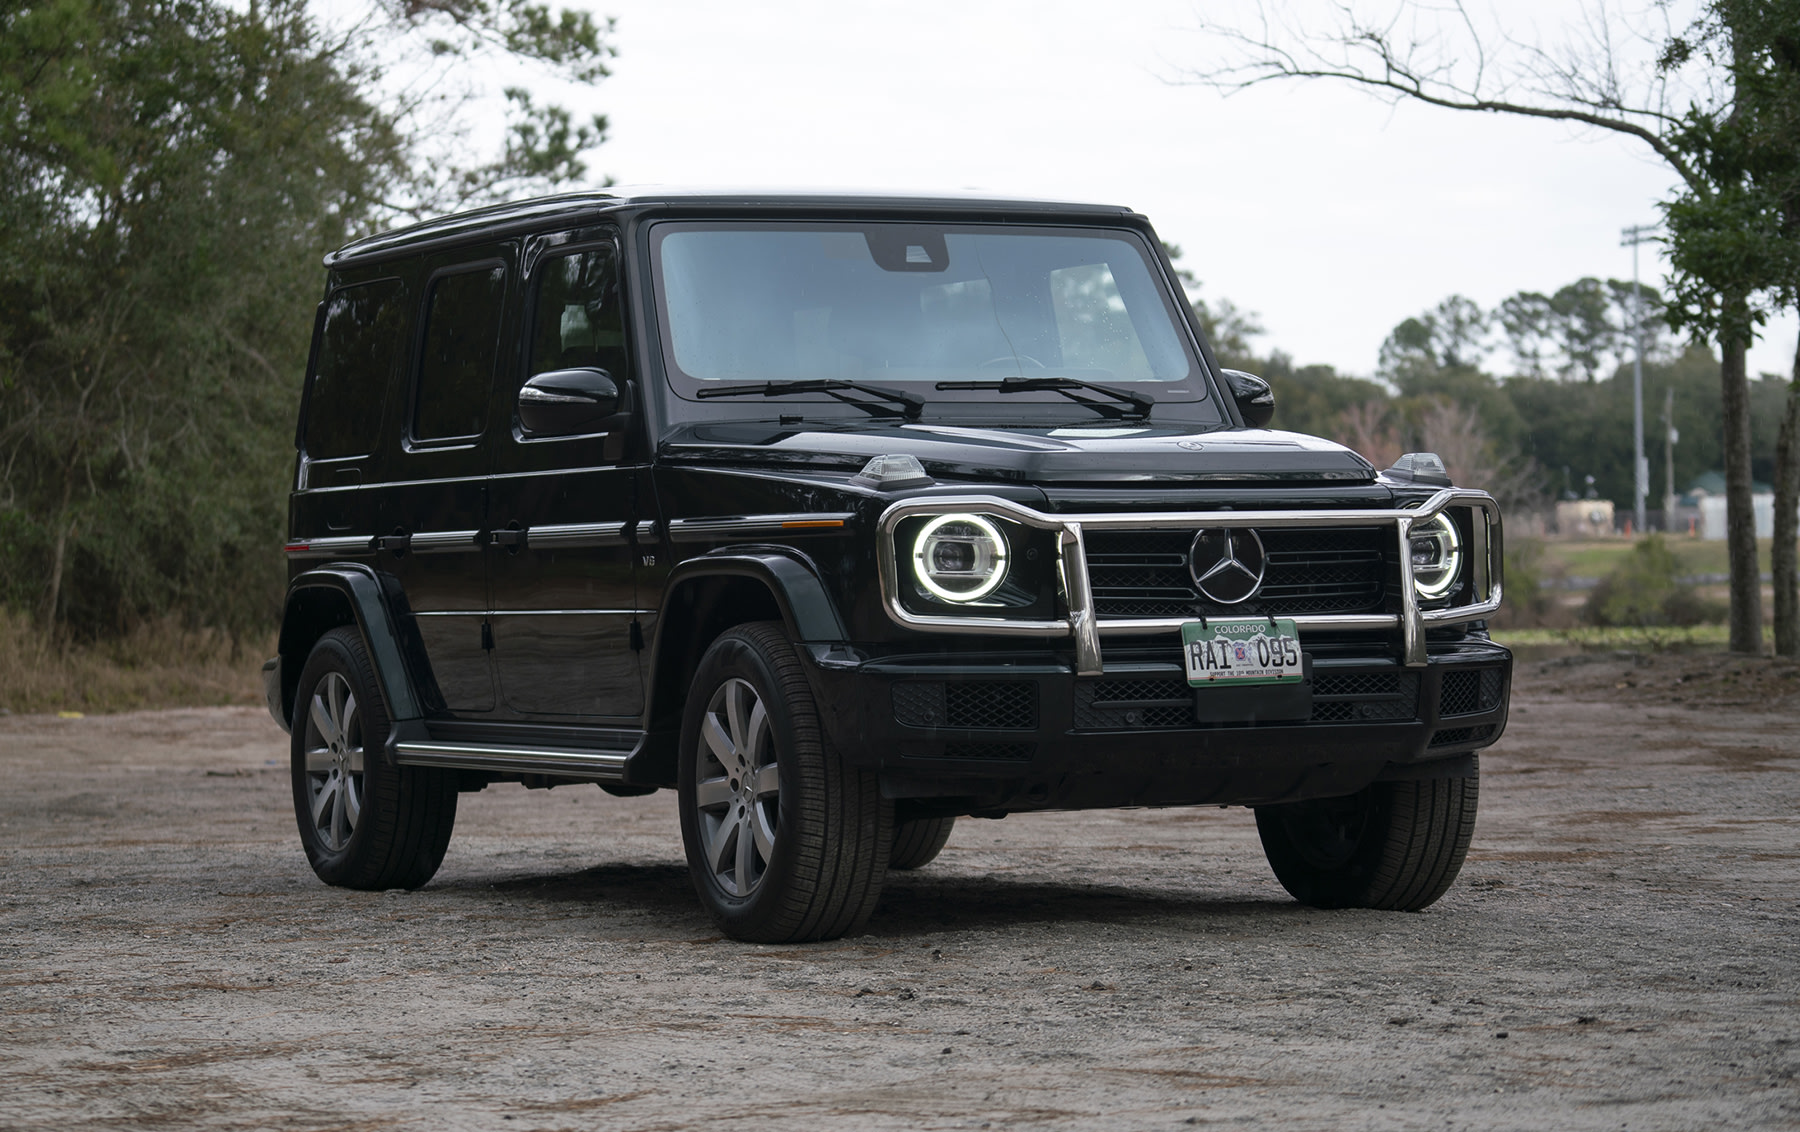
784 841
1394 845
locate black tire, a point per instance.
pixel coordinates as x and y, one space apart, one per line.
1395 845
807 836
395 834
918 841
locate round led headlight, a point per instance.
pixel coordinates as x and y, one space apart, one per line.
959 558
1436 556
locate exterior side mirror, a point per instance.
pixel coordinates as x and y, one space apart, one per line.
1255 400
566 402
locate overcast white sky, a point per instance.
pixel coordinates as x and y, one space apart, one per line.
1324 211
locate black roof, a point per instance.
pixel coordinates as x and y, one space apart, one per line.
503 219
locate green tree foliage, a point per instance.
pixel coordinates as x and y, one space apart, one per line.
170 172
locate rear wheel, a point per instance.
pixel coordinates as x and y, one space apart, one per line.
784 842
364 822
1395 845
918 841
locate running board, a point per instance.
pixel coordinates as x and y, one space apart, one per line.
563 761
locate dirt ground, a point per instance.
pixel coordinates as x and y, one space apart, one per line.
1622 951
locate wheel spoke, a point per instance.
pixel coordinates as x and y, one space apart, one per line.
758 727
338 833
768 781
735 695
321 799
323 719
718 853
711 793
339 690
765 836
746 844
349 719
352 791
319 760
718 742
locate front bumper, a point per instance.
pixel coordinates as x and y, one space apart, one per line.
1008 732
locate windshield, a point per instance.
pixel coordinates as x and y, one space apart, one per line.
898 304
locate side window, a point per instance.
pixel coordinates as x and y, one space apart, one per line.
577 320
361 338
456 367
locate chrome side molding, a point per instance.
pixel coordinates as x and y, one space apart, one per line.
758 526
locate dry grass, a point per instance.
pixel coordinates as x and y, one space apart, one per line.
155 666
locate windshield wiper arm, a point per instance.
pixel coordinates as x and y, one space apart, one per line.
1070 387
886 403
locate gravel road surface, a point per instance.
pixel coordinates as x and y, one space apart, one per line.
1622 951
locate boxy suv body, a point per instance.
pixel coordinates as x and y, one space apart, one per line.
847 517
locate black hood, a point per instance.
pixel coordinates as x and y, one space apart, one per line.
1119 453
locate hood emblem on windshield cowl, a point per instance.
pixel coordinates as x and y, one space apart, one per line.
1227 564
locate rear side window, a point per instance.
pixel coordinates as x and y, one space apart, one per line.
456 367
357 347
577 320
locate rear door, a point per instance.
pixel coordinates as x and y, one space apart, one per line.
567 641
434 508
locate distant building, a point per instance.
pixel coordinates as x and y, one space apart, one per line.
1584 518
1706 496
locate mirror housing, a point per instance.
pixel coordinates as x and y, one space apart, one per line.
568 402
1255 400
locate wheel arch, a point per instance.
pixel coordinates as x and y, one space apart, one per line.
323 599
704 597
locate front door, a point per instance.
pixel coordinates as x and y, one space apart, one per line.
564 615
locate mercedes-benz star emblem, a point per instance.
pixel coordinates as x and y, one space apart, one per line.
1227 564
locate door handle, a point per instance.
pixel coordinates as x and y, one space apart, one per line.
512 538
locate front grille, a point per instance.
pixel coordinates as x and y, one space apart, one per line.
1140 704
1308 570
976 705
1490 689
1470 690
1461 694
1450 736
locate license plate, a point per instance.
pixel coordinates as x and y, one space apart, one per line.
1242 652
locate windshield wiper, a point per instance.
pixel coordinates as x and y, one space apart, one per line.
1069 387
886 403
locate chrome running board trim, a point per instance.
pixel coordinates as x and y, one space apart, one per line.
568 762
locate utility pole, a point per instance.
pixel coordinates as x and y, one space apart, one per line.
1631 237
1670 437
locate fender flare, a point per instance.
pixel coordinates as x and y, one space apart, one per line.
798 587
800 595
373 608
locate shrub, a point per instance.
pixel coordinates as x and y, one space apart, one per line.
1646 590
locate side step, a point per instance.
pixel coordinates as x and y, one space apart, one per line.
570 762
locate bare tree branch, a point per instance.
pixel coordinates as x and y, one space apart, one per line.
1442 55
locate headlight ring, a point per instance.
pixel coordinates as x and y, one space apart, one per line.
960 558
1436 549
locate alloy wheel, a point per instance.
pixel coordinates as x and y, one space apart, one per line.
334 761
737 788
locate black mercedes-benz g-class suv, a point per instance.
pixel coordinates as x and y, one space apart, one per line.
846 516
